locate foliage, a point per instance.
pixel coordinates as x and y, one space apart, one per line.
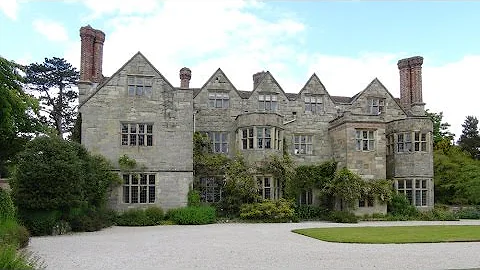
40 222
381 189
469 213
311 212
53 175
442 137
76 135
205 162
18 114
269 210
400 206
7 208
89 219
395 234
457 177
240 187
25 260
311 176
438 214
12 233
192 215
280 167
346 185
53 80
193 198
343 217
126 163
470 139
141 217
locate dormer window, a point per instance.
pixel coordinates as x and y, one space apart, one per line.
267 102
218 100
376 105
314 104
139 86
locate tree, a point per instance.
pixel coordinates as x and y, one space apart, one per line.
442 137
18 114
60 180
53 80
470 139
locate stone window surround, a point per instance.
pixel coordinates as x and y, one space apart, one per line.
366 202
211 188
300 140
139 188
219 140
268 187
313 103
268 101
415 189
365 139
218 99
139 85
249 140
306 197
376 105
136 134
410 142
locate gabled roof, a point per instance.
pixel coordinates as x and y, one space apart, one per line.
107 79
315 77
274 81
376 80
219 70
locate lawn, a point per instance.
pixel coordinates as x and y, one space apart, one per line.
395 234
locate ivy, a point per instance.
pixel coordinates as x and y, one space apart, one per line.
126 163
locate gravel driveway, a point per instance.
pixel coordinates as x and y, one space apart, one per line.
244 246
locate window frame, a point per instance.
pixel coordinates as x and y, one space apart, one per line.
136 134
376 105
268 102
360 140
268 183
218 100
140 85
415 190
211 188
297 144
134 181
220 139
313 101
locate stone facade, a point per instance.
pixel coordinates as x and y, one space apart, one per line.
372 133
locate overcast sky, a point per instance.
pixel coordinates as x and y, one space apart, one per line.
347 44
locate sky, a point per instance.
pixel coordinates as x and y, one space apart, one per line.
346 43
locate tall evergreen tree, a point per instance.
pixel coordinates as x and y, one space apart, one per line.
470 139
54 81
18 111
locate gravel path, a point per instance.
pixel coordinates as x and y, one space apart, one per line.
245 246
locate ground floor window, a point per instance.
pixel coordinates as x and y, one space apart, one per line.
268 187
306 197
366 202
415 190
210 188
139 188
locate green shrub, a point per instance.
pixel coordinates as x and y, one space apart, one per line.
7 208
40 222
269 210
193 198
343 217
141 217
192 215
469 213
10 258
91 219
310 212
438 214
155 214
12 233
400 206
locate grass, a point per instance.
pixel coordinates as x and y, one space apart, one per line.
395 234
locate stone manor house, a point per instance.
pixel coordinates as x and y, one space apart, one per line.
137 112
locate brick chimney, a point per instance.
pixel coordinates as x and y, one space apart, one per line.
91 54
185 76
257 78
411 84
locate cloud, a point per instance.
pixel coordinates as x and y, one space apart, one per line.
53 31
10 8
120 7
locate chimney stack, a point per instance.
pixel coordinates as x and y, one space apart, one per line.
185 76
411 84
257 78
91 54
